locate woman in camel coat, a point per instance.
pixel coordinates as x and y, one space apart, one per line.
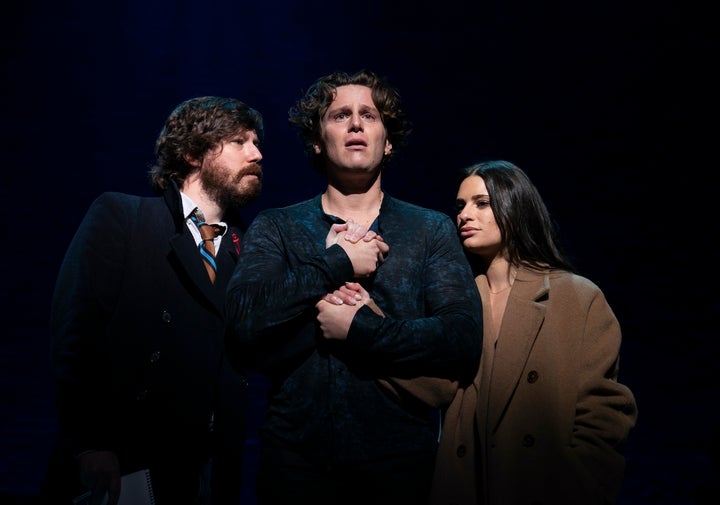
545 419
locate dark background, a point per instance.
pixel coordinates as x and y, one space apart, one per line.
609 106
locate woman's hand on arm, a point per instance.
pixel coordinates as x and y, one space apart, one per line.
336 310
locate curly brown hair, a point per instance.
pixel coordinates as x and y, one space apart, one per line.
195 127
308 111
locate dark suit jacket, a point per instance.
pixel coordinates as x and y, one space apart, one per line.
137 337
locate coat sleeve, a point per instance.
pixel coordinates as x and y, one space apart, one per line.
85 294
606 410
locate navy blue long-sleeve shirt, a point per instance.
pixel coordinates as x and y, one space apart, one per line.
325 400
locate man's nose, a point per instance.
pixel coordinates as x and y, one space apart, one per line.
256 155
355 122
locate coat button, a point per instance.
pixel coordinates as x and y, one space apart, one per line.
528 441
166 317
461 451
532 376
154 356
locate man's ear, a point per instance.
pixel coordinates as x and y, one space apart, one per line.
191 161
316 148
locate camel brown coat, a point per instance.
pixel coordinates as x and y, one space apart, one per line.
545 420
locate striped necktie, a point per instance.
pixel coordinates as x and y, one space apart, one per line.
208 232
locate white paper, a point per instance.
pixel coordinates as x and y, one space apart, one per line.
135 489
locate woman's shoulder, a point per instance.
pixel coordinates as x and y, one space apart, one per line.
565 278
573 286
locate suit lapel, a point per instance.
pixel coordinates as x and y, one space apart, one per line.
185 249
226 259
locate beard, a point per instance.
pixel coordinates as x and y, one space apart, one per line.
231 190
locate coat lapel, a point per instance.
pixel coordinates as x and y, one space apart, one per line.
188 257
516 339
226 259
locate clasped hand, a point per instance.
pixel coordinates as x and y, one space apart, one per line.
336 310
365 248
367 251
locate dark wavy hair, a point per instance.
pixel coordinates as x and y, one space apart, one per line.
527 231
308 111
195 127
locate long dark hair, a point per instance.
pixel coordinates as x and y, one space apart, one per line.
527 231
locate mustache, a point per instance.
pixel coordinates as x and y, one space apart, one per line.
252 169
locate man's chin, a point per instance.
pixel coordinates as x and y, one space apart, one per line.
249 194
